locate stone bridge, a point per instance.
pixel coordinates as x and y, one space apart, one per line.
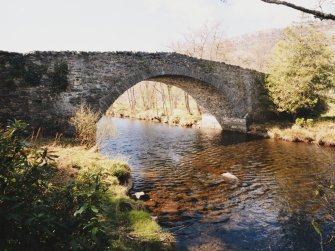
45 88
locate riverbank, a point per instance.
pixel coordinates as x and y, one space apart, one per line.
56 195
126 223
320 132
177 118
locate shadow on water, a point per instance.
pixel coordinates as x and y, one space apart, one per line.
226 138
270 208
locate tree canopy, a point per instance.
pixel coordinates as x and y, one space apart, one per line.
302 70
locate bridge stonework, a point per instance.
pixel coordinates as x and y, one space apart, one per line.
31 87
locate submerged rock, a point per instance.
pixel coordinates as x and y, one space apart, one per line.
229 177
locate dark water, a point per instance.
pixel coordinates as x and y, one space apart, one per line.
270 209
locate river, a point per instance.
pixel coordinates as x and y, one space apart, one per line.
271 208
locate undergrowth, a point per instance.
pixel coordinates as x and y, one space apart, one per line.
68 198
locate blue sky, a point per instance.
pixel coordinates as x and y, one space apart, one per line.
135 25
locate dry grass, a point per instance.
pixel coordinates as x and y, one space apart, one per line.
321 133
84 121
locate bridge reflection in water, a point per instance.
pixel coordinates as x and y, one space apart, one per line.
269 209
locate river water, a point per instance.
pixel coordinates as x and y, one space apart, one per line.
271 208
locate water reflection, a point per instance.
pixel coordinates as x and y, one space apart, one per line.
270 209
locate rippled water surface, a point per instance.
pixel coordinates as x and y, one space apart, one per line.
269 209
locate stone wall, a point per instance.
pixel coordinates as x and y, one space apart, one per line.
45 88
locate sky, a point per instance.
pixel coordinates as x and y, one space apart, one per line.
130 25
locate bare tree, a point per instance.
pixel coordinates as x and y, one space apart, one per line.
316 13
206 43
131 99
187 103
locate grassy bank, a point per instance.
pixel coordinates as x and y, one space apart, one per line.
177 118
320 132
126 222
65 197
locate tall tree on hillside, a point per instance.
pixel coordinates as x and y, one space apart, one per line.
302 70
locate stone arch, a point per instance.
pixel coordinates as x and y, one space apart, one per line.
213 100
232 94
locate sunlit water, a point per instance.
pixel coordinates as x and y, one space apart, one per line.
271 208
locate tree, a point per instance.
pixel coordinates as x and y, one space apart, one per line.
205 43
316 13
302 70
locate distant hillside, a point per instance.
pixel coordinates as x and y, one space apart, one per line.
253 50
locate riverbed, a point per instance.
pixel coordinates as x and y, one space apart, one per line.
270 208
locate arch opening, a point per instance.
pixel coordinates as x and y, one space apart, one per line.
211 104
164 103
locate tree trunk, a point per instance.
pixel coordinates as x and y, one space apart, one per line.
187 103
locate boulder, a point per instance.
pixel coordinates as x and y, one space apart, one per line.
140 196
229 177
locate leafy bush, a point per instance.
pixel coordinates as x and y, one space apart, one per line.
89 212
25 215
302 71
304 122
300 122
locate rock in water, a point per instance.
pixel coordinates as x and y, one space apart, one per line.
229 177
140 196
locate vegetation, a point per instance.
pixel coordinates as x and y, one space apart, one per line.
84 122
59 76
302 72
316 13
76 201
20 67
321 14
325 191
157 102
321 132
33 74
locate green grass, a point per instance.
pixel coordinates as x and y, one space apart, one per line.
125 221
87 160
143 226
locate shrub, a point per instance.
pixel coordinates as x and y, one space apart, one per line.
300 122
84 122
304 122
89 212
26 217
302 71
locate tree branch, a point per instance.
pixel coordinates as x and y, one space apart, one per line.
318 14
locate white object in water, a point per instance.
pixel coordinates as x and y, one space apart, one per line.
229 176
138 195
